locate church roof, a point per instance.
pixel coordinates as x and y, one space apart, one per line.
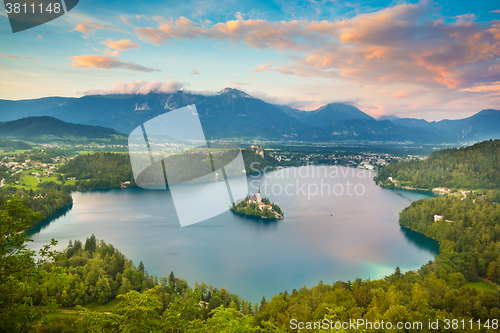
254 198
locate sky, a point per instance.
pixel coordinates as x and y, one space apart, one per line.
420 59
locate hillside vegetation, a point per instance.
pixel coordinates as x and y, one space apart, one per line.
474 167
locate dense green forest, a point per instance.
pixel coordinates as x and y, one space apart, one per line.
98 171
45 200
470 231
474 167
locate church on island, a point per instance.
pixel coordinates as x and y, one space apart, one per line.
256 205
258 200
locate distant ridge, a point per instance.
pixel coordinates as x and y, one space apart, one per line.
48 129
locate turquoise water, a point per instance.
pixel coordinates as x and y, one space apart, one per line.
327 236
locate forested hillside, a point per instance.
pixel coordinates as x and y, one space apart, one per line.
474 167
469 230
99 170
108 170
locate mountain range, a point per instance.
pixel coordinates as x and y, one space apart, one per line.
234 114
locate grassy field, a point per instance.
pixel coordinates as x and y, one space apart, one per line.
480 285
108 307
48 179
30 181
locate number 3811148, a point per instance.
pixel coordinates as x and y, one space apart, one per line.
32 8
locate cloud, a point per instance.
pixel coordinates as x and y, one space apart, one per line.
406 94
88 28
40 36
121 45
279 100
112 53
263 67
403 44
256 33
138 88
495 11
384 92
105 62
194 71
16 57
125 20
494 87
168 75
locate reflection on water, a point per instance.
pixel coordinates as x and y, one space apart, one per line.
421 241
47 221
324 237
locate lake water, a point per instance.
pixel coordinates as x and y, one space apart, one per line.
338 225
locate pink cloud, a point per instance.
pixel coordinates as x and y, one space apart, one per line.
105 62
124 20
489 88
16 57
88 28
121 45
263 67
194 71
112 53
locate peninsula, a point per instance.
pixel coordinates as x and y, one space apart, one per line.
258 206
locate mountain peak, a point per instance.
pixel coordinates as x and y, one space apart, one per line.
388 117
234 92
334 112
488 112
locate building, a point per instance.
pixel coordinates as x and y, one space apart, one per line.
256 199
438 218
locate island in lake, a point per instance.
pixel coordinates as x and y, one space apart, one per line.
258 206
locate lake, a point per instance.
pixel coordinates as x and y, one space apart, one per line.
338 225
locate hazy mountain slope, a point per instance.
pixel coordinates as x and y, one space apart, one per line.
369 130
293 112
12 110
46 129
329 113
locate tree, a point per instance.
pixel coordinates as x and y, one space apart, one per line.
473 276
135 312
91 244
24 289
